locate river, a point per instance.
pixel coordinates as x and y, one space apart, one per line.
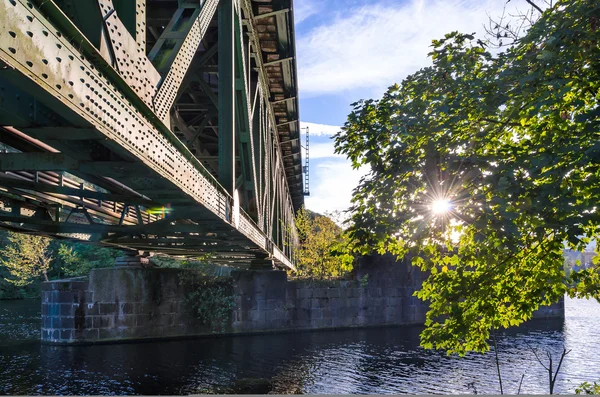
373 361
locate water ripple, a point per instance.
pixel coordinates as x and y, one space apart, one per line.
359 361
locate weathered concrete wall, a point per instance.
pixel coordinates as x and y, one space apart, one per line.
380 295
555 310
60 300
139 303
116 304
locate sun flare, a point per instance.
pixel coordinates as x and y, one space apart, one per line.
441 206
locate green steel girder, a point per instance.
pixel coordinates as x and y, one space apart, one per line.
178 45
90 53
242 108
87 94
133 15
277 27
47 188
226 14
171 40
37 162
104 231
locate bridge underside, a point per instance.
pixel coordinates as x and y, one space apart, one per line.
166 126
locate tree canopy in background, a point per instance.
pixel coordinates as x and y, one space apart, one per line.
322 252
27 258
78 259
510 143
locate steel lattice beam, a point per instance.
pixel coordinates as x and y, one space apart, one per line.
102 115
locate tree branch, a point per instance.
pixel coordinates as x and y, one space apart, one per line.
536 356
535 6
564 353
497 360
504 123
520 383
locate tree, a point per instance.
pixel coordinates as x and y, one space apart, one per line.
321 253
482 167
26 257
588 388
77 259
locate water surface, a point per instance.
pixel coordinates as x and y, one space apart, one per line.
374 361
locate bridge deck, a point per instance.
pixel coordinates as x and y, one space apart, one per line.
170 126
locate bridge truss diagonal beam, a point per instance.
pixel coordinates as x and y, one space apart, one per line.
96 97
180 57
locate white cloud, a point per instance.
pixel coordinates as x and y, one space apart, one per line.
320 129
374 46
333 185
304 9
322 146
323 150
332 176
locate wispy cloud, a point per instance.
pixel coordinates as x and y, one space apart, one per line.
323 150
333 185
376 45
304 9
320 129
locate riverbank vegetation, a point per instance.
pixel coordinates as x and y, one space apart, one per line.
322 253
209 298
483 167
26 260
588 388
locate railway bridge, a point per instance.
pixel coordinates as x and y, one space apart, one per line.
166 126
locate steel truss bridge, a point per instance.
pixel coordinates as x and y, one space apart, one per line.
165 126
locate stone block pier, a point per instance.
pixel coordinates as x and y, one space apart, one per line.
137 303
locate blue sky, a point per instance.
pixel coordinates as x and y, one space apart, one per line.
353 49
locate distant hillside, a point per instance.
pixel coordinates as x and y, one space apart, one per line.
312 214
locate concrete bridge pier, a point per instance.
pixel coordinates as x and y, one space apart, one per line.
131 302
134 258
262 262
128 301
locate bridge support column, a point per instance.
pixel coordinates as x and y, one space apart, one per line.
127 302
262 263
134 303
133 259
